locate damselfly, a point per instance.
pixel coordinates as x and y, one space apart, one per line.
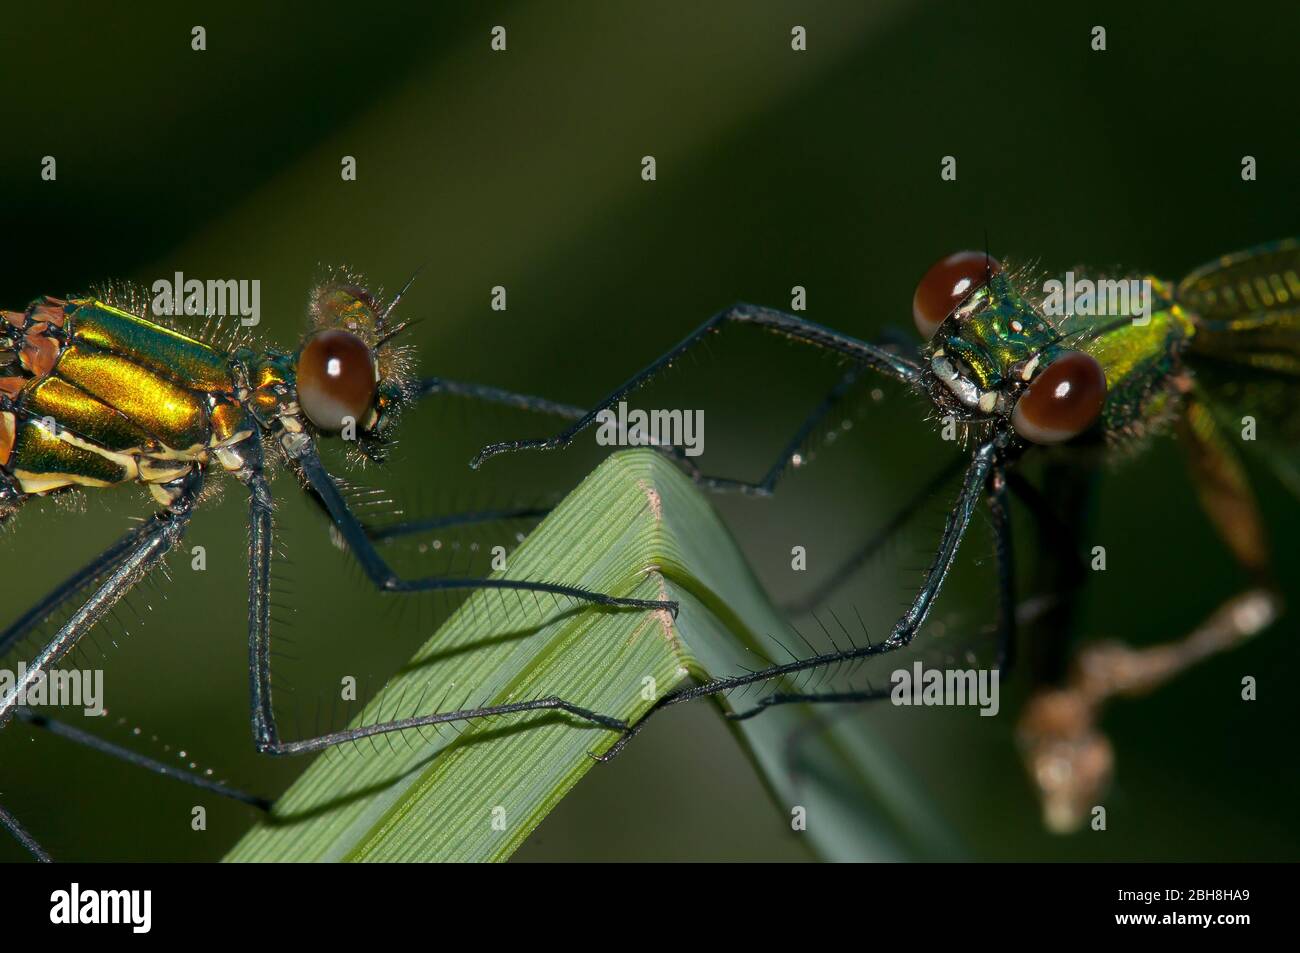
1019 372
94 396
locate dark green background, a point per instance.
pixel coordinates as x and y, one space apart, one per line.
774 169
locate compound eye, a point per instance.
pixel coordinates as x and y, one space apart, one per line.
946 285
1063 401
337 379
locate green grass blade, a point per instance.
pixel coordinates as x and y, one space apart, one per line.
635 526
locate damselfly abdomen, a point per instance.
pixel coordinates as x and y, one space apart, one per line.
94 396
1020 369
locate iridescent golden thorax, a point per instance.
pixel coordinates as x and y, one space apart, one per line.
92 395
95 396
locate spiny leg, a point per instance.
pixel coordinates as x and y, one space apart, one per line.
762 487
999 508
270 742
452 520
77 736
435 386
80 737
159 536
305 459
799 698
19 833
1068 756
94 570
507 398
266 735
767 484
435 523
894 365
902 633
432 386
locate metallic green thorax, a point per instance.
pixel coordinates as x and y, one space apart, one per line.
99 396
1142 361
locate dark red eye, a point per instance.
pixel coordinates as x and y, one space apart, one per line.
337 379
1063 401
945 285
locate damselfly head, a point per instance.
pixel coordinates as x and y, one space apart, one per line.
992 355
350 375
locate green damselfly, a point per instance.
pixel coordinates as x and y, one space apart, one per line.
94 395
1215 354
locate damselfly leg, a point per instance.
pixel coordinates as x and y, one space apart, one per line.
385 579
861 353
863 356
119 572
266 734
71 733
96 395
85 739
20 834
1068 756
115 572
999 366
982 467
764 486
484 394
